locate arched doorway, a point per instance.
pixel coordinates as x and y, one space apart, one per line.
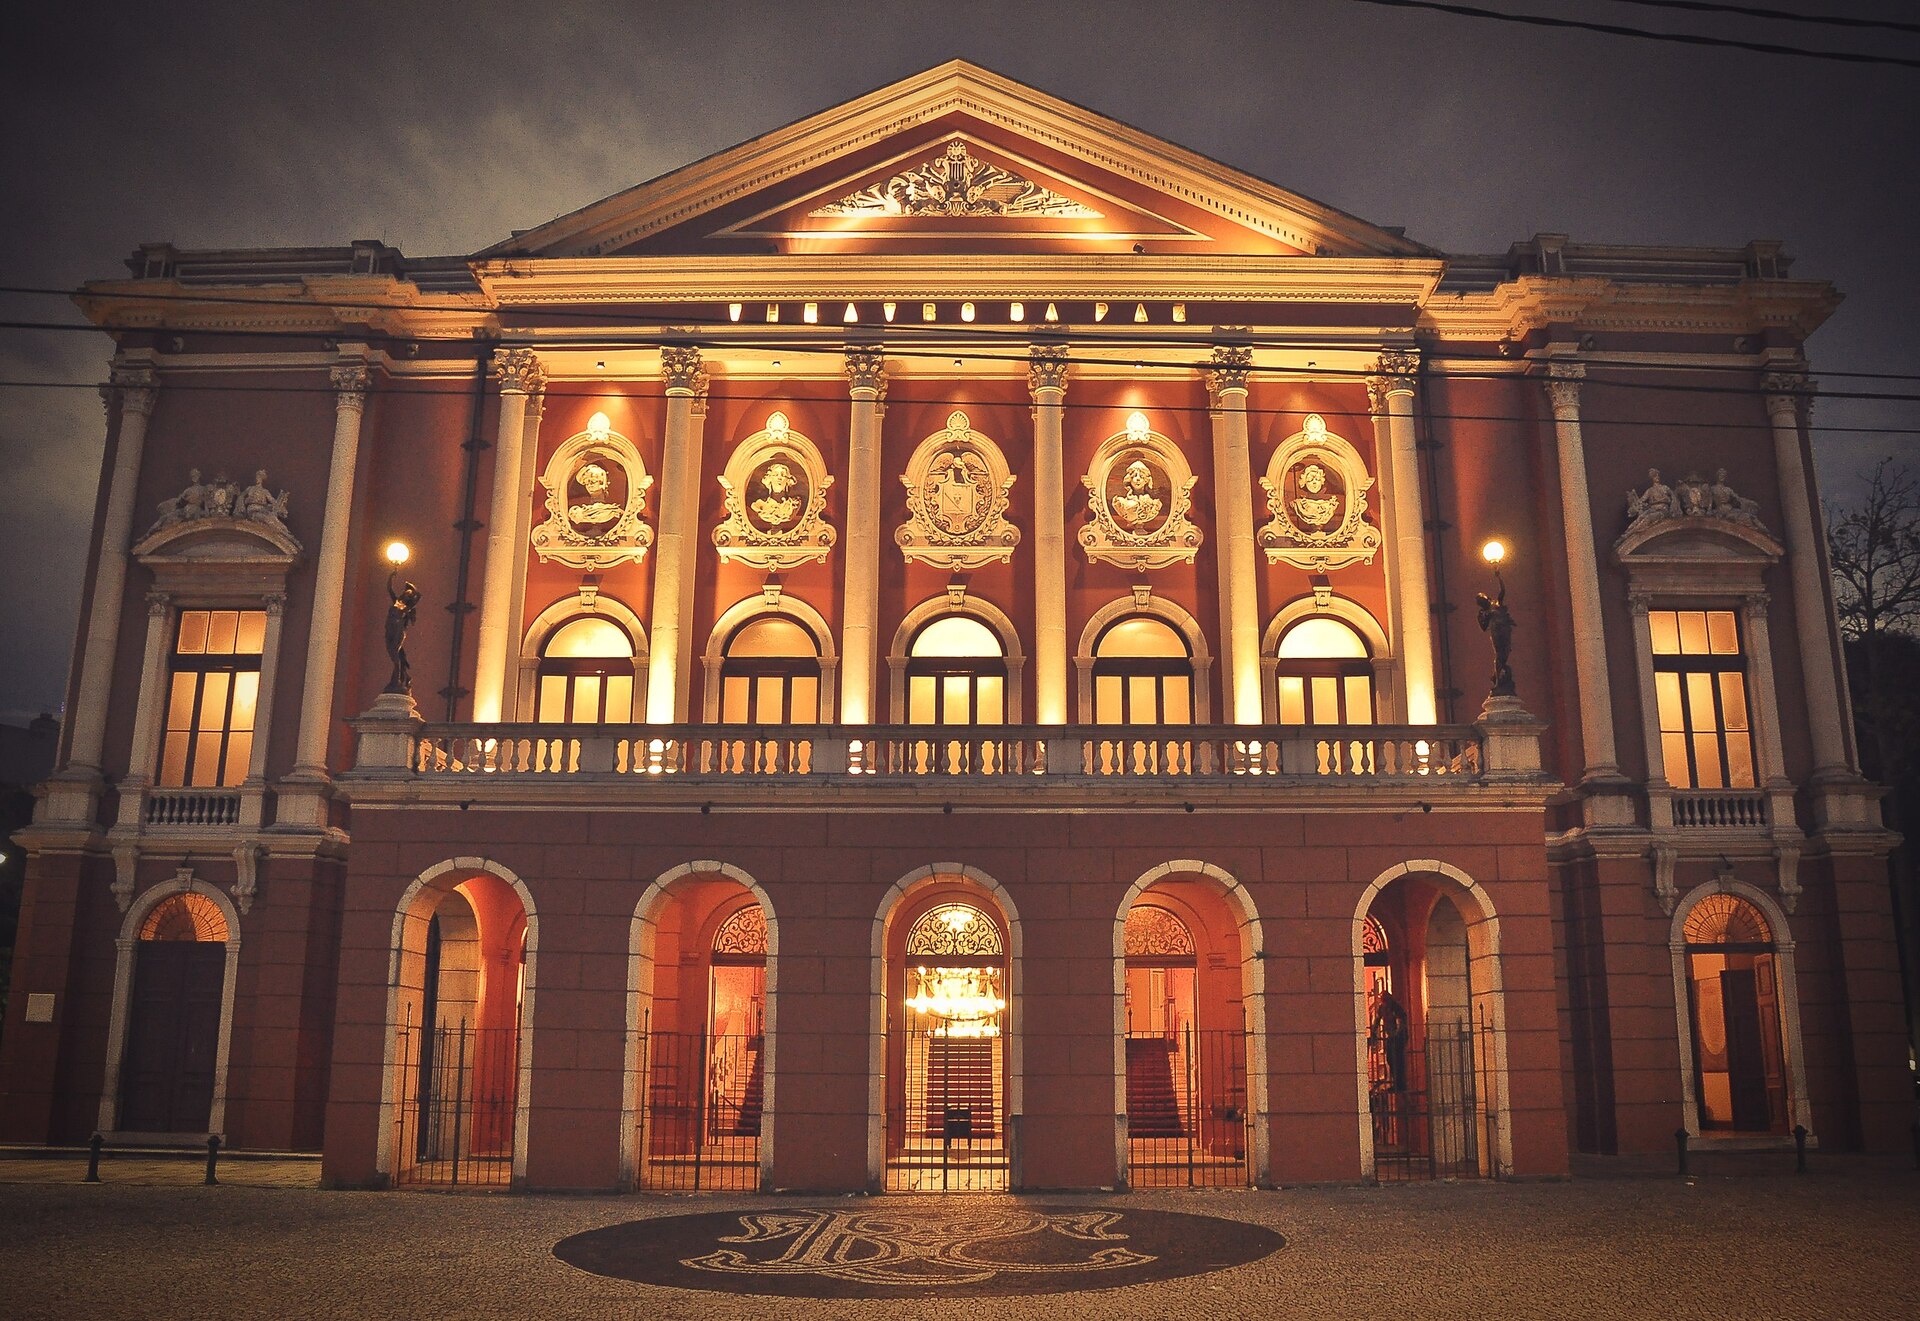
1736 1010
947 994
1427 983
175 1006
460 1005
1191 1091
703 948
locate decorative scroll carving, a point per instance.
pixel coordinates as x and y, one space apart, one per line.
866 370
246 876
1317 486
350 381
1139 491
596 490
957 483
1694 497
682 370
519 371
1397 369
1664 857
1789 394
1153 932
225 500
1228 370
954 931
744 932
1047 368
1563 389
136 389
776 491
955 184
1373 936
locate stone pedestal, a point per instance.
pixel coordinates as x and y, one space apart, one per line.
385 733
1511 739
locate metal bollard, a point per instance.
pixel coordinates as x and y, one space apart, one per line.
94 1146
1680 1141
1799 1148
213 1156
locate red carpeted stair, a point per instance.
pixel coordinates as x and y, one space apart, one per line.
1153 1107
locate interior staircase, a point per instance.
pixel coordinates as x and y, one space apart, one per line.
960 1077
1153 1106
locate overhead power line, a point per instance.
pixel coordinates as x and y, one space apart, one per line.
1647 34
1778 15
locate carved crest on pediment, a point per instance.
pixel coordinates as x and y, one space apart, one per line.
776 495
1317 486
957 493
596 487
1692 502
1139 492
955 184
223 499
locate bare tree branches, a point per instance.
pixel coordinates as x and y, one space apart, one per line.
1875 548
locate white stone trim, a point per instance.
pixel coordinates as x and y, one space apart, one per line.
1253 994
1171 612
126 947
562 612
391 1080
933 608
1799 1111
752 607
919 879
640 962
1495 991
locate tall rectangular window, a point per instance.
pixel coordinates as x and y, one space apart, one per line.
212 690
1700 683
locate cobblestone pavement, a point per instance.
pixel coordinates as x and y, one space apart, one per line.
1842 1241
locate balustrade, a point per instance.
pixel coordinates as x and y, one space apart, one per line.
1695 809
192 807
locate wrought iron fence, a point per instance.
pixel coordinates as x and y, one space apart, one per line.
701 1111
1432 1105
946 1122
454 1124
1188 1120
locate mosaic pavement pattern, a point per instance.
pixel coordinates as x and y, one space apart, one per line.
950 1249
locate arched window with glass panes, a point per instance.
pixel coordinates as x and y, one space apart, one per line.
586 674
956 674
770 674
1323 674
1142 674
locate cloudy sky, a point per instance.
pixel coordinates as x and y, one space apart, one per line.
441 127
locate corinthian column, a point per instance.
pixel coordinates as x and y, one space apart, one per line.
1818 664
1047 380
329 581
133 389
670 651
1583 576
1394 385
860 602
1233 517
520 375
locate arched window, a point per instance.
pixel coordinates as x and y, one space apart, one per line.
770 674
956 674
1142 674
586 674
1734 989
1324 674
186 917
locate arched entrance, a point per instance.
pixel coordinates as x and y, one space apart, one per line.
1191 1076
460 1002
1737 1010
1429 1017
176 996
947 993
704 942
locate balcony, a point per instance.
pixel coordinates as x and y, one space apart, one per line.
1018 765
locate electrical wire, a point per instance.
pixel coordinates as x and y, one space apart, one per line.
1779 15
1646 34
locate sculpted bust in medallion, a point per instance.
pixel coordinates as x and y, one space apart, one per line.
1137 505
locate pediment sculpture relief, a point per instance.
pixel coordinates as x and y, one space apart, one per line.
776 495
955 184
1692 497
1317 486
957 483
596 488
224 499
1139 491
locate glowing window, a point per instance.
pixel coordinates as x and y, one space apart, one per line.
586 674
1142 674
1700 693
1323 675
770 674
1735 1003
954 931
213 691
186 917
956 635
956 674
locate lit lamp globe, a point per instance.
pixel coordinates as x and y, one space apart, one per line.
398 553
1494 552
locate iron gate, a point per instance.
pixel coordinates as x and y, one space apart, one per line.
454 1123
946 1121
1431 1105
1188 1120
701 1110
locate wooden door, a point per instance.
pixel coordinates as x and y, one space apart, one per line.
1746 1059
173 1036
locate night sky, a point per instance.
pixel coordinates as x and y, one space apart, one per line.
441 128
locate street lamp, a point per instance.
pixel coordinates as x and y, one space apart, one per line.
1496 621
403 607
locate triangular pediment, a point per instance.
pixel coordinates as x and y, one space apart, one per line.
956 159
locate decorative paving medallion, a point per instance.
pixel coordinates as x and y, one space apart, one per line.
953 1249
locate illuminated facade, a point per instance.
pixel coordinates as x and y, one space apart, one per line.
945 656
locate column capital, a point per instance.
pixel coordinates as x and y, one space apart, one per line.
866 372
1377 395
1047 370
1640 603
518 371
136 389
1563 389
1396 371
350 381
1788 393
1756 604
1227 370
275 603
683 370
157 603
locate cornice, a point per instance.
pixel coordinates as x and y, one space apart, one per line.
1531 303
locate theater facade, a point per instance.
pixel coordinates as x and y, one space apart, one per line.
953 646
